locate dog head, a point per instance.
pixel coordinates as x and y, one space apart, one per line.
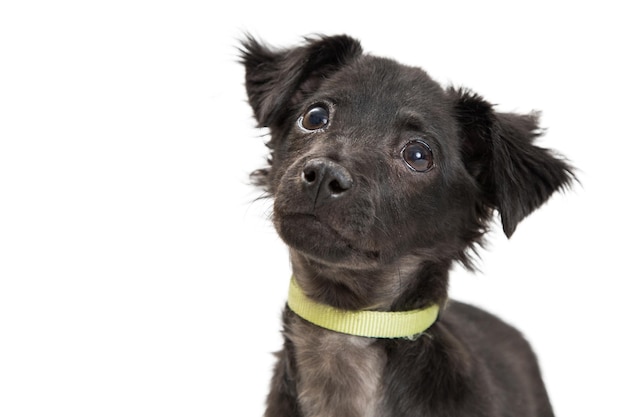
372 160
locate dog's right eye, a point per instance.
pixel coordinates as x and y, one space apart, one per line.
315 118
418 156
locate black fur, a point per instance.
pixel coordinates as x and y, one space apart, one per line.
366 231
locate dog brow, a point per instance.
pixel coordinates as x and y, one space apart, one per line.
410 119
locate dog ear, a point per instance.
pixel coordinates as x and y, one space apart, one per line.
276 80
515 175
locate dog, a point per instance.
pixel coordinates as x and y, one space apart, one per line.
382 179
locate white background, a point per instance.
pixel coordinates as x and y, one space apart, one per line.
139 276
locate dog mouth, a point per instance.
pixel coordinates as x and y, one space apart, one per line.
308 234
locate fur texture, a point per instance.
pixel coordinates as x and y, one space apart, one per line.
381 180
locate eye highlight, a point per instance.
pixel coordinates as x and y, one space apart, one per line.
315 118
418 156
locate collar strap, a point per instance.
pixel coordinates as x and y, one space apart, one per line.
366 323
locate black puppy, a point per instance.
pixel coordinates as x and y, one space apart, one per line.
382 179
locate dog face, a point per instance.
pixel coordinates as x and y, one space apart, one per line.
372 160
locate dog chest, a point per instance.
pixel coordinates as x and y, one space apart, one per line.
338 375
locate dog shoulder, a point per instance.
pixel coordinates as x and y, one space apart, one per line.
480 329
466 355
501 358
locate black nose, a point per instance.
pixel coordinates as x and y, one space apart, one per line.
324 179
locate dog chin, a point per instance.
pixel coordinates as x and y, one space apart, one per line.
311 237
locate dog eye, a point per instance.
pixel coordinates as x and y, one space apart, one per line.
315 118
418 156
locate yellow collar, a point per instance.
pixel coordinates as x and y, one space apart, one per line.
378 324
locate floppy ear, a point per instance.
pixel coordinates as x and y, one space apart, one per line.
515 176
276 80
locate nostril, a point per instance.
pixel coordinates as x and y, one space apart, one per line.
309 176
336 188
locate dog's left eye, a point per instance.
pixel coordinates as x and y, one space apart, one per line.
418 156
315 118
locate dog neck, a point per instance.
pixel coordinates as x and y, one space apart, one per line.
341 374
365 323
408 283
